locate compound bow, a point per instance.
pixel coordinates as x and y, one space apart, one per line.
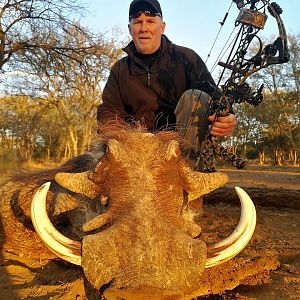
251 19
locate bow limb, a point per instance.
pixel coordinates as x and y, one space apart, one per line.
280 44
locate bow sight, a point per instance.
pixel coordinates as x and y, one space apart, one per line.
251 19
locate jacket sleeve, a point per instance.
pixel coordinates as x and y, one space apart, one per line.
199 76
112 108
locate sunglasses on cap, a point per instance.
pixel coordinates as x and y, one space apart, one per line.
146 13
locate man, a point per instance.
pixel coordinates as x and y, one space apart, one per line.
160 83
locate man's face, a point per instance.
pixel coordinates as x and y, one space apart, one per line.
146 33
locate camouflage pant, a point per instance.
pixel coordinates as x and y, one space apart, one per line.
192 123
191 119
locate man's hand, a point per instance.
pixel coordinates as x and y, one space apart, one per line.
222 126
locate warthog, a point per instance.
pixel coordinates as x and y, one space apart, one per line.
124 210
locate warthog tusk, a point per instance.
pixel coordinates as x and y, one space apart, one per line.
240 237
59 244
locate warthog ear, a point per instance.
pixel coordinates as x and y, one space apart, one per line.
173 151
78 183
199 184
113 147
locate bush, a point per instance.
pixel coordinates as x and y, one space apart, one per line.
251 153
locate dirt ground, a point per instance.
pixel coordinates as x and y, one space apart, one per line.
268 268
276 195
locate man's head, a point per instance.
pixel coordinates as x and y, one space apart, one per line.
146 25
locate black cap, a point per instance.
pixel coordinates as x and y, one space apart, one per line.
152 6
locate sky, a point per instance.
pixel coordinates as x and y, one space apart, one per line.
190 23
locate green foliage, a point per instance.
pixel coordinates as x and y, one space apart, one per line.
252 152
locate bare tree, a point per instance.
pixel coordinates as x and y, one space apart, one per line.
25 127
21 22
58 69
71 86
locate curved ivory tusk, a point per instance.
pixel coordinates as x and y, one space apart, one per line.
246 207
59 244
238 240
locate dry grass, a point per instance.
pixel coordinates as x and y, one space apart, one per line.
6 169
267 167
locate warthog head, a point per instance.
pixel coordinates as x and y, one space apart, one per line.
145 237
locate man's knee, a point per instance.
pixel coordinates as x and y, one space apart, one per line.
189 93
196 95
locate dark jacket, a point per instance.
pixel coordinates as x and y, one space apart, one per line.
135 91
